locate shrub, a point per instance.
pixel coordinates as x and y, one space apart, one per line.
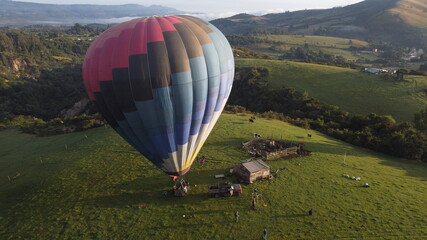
235 109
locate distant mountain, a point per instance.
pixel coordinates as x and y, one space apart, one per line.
23 13
398 21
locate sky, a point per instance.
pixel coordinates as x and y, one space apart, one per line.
220 8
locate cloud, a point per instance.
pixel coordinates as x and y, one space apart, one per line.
216 15
268 11
212 16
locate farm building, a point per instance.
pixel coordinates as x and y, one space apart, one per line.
378 71
250 171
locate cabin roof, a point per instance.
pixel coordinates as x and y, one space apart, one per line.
255 166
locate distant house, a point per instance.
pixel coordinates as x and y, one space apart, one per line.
373 51
377 70
371 70
250 171
414 53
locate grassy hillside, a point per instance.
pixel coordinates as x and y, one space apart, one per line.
349 89
275 45
397 21
100 188
413 12
320 41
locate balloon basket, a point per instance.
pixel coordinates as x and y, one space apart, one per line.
181 187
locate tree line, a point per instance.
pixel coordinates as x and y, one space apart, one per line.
305 54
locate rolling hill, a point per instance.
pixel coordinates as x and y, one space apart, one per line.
351 90
398 21
17 13
412 12
100 188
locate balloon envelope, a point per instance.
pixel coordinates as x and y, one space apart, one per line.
161 83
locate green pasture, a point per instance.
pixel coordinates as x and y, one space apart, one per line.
351 90
320 41
98 187
329 45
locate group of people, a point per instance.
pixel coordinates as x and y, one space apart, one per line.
181 187
201 160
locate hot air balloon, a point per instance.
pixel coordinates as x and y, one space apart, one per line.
161 83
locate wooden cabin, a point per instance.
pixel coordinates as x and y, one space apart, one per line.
250 171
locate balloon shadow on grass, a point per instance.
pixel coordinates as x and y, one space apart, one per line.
157 191
141 200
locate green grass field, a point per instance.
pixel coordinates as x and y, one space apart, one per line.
351 90
100 188
320 41
329 45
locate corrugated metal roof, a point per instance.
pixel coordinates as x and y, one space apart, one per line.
255 166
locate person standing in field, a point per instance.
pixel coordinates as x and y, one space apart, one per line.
264 236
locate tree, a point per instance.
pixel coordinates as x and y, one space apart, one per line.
423 67
420 120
